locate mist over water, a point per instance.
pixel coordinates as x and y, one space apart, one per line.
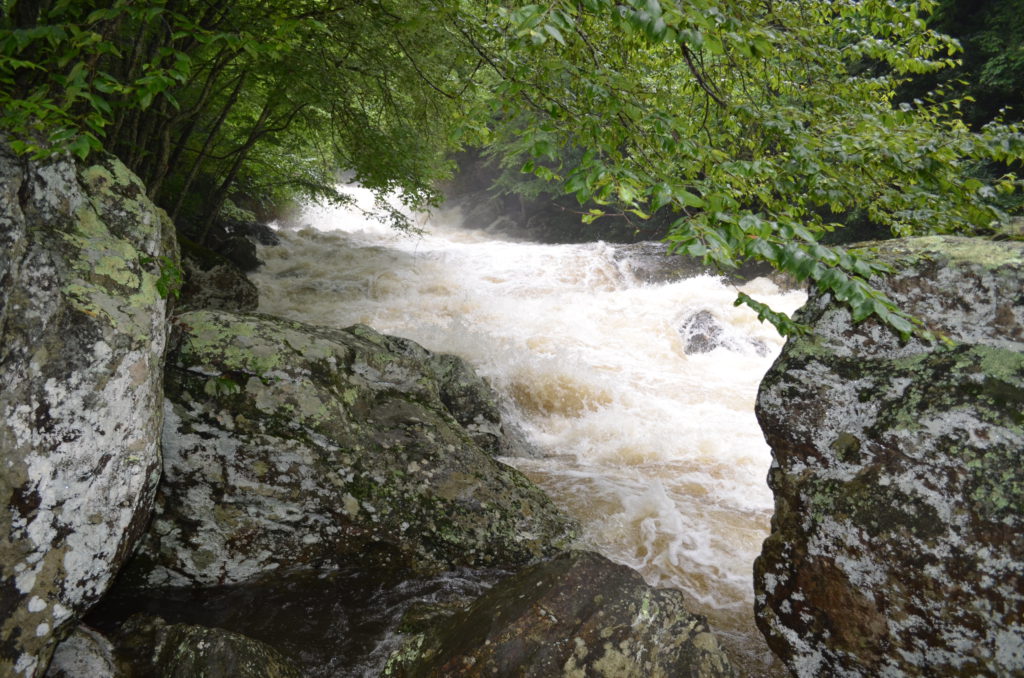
655 451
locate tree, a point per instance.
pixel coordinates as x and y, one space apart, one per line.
748 119
205 98
992 70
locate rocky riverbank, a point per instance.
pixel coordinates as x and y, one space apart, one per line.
245 450
897 546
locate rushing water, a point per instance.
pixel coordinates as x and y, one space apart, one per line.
655 451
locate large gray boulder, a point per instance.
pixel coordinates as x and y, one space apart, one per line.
575 615
293 446
82 336
897 546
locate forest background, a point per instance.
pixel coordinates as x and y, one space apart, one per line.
751 129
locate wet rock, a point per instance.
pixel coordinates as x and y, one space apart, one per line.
288 445
331 624
154 649
84 654
650 262
897 546
82 336
221 286
212 281
578 614
702 332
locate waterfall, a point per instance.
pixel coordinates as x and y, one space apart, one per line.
636 399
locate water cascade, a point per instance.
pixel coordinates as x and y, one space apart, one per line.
636 399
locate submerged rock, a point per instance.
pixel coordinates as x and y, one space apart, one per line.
82 335
897 546
578 614
293 446
702 332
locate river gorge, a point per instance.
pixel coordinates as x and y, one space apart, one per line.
654 450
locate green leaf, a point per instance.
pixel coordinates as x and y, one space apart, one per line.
80 147
554 33
690 199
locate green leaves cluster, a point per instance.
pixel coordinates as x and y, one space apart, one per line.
266 99
755 122
171 277
55 93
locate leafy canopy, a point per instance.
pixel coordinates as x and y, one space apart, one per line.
206 99
753 121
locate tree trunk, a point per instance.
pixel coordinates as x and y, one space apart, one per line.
197 163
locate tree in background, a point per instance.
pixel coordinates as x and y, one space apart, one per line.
992 68
206 98
753 121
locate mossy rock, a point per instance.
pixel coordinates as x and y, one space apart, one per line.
576 615
897 545
293 446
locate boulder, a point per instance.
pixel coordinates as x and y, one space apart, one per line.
213 281
702 332
575 615
293 446
84 654
220 286
151 648
83 255
897 545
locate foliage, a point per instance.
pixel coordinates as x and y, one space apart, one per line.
749 119
991 74
208 98
171 278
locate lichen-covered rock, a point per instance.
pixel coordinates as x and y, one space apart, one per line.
82 335
288 445
897 546
151 648
84 654
576 615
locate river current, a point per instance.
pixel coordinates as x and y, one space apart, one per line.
653 449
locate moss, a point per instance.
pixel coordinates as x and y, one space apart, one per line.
1002 364
980 252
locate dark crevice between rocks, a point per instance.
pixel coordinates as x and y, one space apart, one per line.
334 624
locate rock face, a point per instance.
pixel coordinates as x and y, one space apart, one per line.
293 446
897 546
82 335
576 615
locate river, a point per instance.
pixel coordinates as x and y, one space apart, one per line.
655 450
